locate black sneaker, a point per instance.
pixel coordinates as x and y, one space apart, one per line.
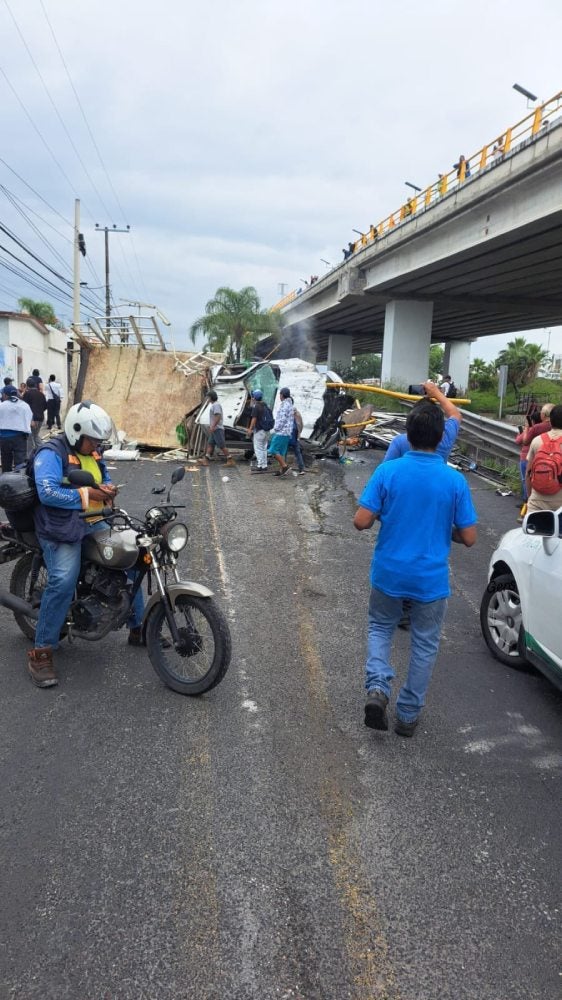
375 710
404 728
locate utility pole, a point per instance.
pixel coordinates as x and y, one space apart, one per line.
107 231
79 248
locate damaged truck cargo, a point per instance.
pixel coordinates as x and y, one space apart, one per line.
320 407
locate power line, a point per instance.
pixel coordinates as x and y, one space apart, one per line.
14 198
83 113
56 110
39 133
36 193
96 147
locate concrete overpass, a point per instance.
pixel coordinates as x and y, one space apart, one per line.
481 259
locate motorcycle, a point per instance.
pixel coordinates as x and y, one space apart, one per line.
186 635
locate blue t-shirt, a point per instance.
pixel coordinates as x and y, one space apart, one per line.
419 500
400 445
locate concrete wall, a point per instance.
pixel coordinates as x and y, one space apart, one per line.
141 391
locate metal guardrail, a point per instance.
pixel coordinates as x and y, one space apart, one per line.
489 437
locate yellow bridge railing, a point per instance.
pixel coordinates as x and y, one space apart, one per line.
530 127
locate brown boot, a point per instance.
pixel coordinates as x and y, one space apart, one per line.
230 462
40 666
203 461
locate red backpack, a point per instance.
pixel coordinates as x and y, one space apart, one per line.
546 470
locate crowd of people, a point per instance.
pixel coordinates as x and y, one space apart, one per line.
286 430
421 503
22 416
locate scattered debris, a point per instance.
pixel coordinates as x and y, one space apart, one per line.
225 479
158 489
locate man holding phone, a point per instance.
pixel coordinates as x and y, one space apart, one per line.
60 529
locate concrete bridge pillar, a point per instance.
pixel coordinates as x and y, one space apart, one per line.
340 348
406 343
456 362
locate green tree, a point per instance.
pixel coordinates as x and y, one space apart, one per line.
234 322
40 310
436 361
482 376
363 366
523 361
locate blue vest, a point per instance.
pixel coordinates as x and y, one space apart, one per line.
58 524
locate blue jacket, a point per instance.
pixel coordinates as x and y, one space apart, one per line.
56 516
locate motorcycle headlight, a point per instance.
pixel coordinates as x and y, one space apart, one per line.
176 536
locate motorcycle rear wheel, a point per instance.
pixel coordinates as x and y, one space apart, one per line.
20 585
202 661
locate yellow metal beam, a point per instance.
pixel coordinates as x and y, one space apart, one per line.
358 387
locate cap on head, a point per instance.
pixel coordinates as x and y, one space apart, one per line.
257 394
8 381
211 394
285 393
546 409
9 390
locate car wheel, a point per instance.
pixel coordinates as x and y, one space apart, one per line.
501 621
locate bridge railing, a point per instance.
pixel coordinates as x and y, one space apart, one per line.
468 168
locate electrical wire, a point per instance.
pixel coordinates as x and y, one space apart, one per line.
96 147
56 110
36 193
82 112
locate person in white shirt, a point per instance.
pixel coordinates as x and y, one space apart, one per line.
15 428
53 395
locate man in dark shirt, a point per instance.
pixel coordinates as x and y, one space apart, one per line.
35 381
36 400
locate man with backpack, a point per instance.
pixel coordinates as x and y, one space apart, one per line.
544 466
261 423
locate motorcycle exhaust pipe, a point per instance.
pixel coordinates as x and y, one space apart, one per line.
16 604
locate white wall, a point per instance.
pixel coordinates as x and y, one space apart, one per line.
36 349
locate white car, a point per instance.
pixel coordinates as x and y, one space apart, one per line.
521 610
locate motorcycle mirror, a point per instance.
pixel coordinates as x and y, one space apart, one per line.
178 474
77 477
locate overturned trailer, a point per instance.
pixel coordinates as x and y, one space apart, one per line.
320 407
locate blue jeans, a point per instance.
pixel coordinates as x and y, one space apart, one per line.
296 446
425 631
63 568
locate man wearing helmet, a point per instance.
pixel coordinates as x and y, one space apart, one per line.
59 528
261 436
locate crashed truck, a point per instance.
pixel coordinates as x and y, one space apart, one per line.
321 407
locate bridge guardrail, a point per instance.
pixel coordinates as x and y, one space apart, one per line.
467 168
489 436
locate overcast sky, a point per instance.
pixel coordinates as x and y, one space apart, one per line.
242 141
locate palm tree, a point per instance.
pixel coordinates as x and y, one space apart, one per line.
40 310
234 322
523 361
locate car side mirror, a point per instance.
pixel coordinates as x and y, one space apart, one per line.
542 522
78 477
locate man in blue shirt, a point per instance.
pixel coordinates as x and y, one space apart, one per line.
422 506
400 445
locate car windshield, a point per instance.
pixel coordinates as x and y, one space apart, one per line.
265 380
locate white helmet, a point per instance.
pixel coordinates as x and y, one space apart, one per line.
87 418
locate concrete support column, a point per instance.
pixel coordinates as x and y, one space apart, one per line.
340 349
406 343
456 362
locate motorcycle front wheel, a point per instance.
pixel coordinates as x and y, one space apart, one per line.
202 657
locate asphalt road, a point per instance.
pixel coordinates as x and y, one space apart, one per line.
259 842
